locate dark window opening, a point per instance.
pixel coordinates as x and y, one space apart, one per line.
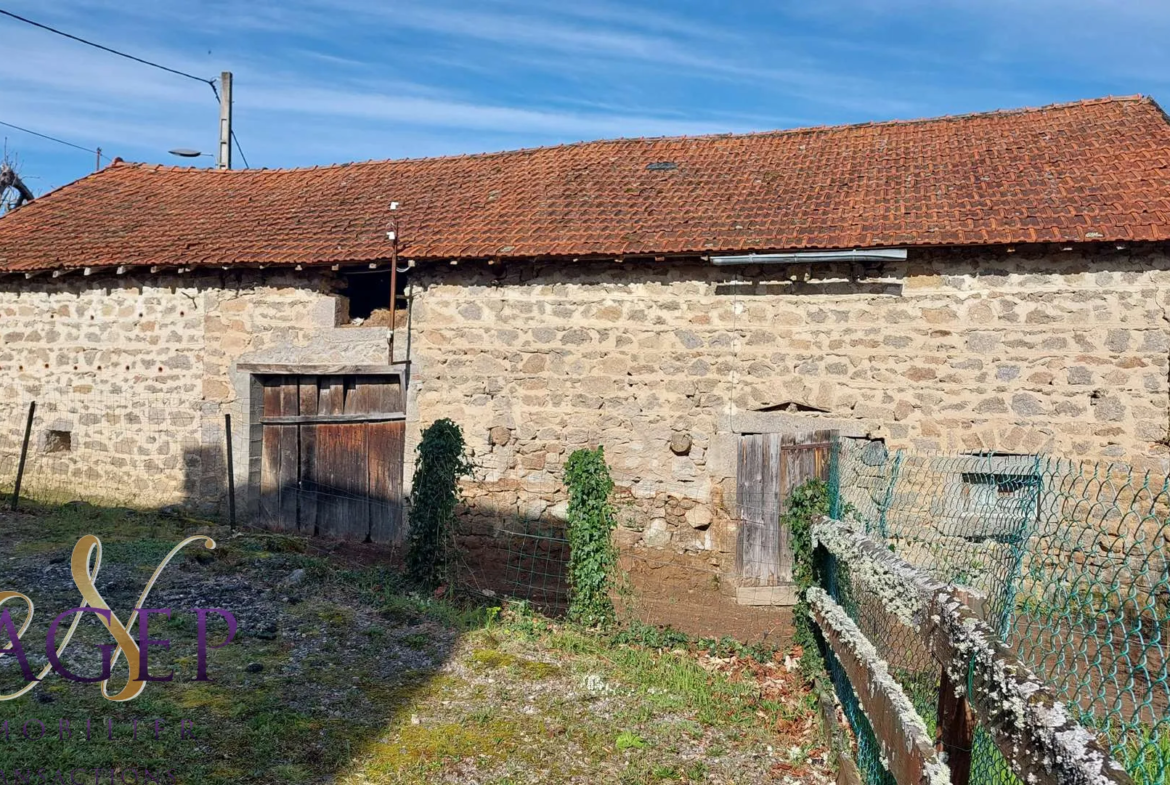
1009 473
58 441
366 296
1005 484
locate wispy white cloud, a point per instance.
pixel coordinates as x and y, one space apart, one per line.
325 80
428 112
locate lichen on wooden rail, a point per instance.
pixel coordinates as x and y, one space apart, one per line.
907 749
904 590
1032 729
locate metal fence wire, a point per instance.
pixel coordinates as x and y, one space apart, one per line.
690 591
1072 561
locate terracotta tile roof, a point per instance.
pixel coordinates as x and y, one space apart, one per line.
1090 171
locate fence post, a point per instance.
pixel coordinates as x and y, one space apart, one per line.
32 410
956 729
888 498
835 475
231 470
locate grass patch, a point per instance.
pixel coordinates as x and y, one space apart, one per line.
346 675
419 747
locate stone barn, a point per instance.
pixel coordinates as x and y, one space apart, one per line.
702 307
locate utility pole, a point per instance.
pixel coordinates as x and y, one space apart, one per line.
98 165
223 159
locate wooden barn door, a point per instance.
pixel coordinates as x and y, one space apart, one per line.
331 456
770 465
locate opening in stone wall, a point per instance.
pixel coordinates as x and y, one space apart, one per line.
365 298
792 406
58 441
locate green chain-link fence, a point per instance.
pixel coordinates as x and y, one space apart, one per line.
1072 561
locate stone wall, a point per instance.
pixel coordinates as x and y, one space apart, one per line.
663 363
139 370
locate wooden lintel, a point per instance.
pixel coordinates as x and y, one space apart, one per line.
906 746
323 369
324 419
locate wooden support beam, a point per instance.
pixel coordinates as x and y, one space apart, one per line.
906 745
62 272
1033 730
123 269
325 419
956 728
323 369
34 274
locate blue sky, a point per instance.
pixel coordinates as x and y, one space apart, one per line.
322 82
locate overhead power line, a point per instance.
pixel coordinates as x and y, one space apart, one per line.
107 49
110 50
54 139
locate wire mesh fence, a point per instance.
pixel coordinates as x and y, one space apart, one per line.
150 450
1072 564
1072 560
687 586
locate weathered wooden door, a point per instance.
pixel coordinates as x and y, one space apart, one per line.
770 465
331 456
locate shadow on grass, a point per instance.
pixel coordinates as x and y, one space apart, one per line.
329 655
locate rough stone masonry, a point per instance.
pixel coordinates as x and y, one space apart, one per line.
663 363
666 363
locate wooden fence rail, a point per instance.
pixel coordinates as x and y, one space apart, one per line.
906 745
1033 730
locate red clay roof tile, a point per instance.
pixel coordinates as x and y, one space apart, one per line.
1089 171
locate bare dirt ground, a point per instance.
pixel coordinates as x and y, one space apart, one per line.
340 674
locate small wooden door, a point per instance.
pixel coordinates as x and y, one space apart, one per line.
770 466
331 456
